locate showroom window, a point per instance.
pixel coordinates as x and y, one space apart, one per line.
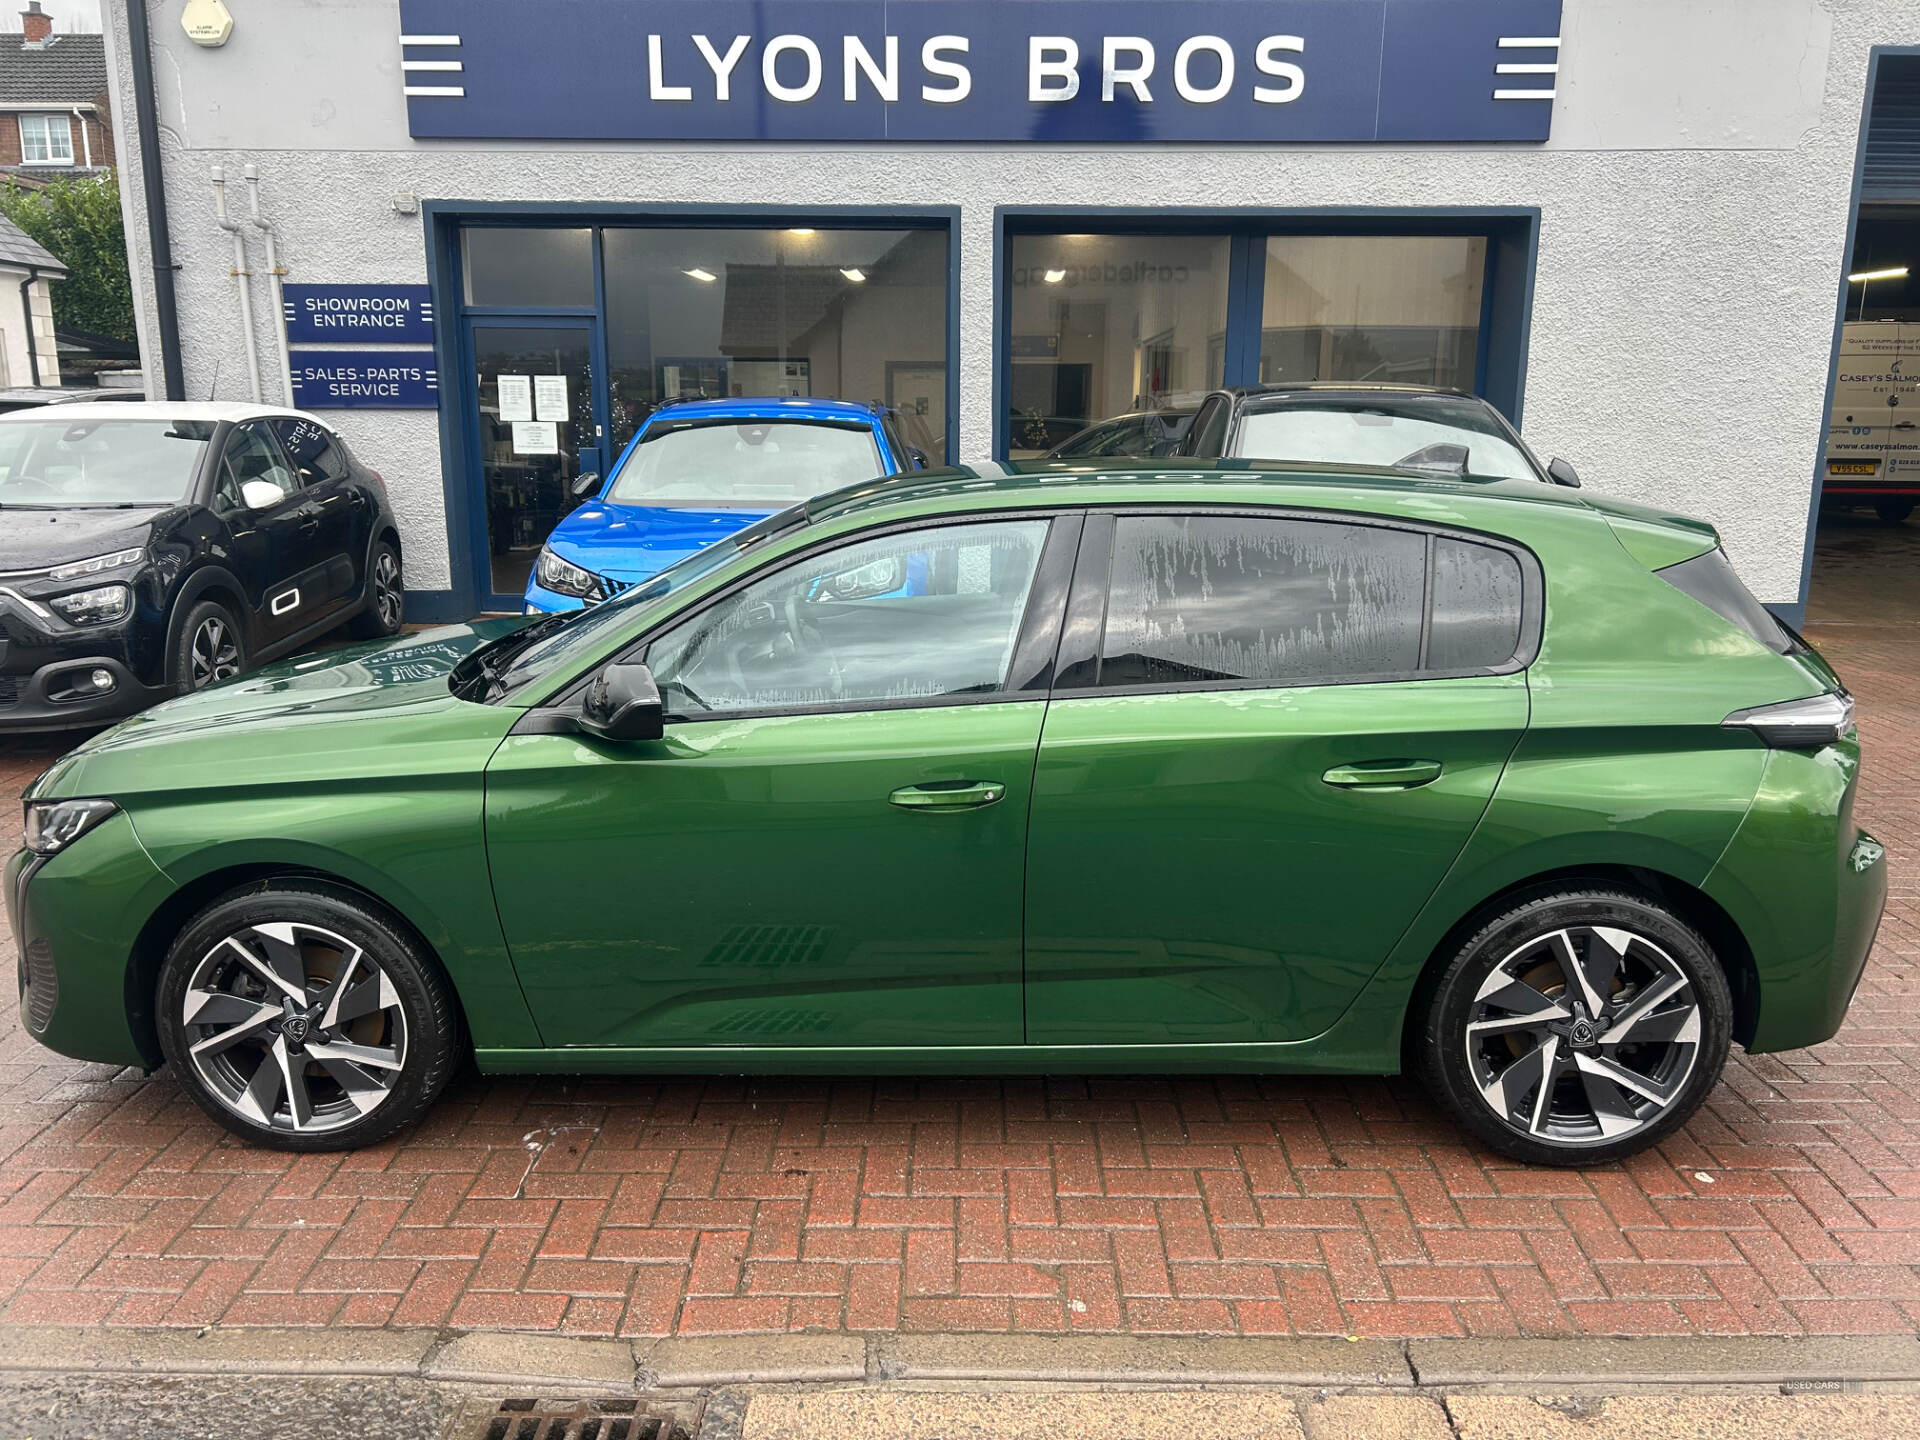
840 313
1105 325
1139 315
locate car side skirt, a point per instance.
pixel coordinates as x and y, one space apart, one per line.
1294 1057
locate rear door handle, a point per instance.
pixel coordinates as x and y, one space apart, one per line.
948 795
1383 774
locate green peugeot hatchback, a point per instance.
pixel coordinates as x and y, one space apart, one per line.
1028 768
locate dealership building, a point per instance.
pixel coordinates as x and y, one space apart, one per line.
1624 222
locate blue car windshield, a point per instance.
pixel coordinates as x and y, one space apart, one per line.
756 464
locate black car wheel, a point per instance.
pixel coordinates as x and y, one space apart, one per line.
386 596
1893 512
1577 1027
208 647
305 1019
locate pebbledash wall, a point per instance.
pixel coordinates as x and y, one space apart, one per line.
1692 202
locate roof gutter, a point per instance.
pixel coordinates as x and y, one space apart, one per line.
159 246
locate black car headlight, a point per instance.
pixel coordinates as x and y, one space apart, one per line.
52 825
93 607
93 565
565 578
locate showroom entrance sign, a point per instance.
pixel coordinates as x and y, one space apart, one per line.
365 380
368 314
1073 72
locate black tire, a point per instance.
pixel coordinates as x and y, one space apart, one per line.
366 1064
208 646
1590 1118
386 596
1893 512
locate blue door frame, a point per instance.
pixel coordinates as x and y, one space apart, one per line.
1506 313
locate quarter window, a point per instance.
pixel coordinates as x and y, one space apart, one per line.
46 140
920 615
1209 599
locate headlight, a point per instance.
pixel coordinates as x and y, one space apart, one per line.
94 566
52 825
565 578
90 607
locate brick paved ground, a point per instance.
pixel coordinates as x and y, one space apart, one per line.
1790 1205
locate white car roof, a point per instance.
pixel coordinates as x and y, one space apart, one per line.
159 410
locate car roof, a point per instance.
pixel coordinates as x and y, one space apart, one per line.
214 410
1037 482
769 407
1346 387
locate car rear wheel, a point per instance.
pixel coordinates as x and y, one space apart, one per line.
386 596
208 648
305 1019
1893 512
1577 1027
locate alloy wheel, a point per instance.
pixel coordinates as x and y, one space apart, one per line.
294 1027
215 654
1583 1035
387 597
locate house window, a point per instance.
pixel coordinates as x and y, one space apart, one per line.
46 140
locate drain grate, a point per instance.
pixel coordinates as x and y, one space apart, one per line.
523 1418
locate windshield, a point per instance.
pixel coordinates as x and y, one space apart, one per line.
1386 434
758 463
583 628
66 461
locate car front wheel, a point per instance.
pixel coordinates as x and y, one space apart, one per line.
208 648
305 1019
1577 1027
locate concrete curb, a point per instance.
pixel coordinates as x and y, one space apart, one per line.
563 1363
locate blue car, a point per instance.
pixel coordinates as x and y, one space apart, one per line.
697 471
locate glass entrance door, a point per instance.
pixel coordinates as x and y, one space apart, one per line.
540 430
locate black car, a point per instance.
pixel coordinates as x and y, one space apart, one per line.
1139 432
1401 427
150 549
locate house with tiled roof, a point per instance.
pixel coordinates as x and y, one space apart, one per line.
53 101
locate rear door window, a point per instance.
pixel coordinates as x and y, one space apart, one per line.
315 450
1210 599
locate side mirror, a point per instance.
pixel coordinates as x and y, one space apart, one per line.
261 494
623 704
1561 473
921 460
586 484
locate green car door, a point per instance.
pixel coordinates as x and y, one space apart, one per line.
827 848
1271 737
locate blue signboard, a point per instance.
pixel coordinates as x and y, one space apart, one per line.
1081 72
386 314
365 380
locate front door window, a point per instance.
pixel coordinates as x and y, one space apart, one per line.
537 436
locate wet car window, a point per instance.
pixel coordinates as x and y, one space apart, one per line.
1381 434
1476 606
1195 599
66 462
746 462
921 614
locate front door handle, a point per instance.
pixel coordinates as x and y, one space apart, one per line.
948 795
1383 774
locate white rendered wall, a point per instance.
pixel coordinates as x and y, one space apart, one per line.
1694 213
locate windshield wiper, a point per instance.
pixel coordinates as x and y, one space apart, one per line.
490 661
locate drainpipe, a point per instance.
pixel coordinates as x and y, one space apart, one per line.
26 304
86 140
279 273
154 192
243 277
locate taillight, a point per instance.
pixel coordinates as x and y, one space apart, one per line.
1798 724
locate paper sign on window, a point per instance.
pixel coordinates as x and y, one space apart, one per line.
516 400
536 437
550 397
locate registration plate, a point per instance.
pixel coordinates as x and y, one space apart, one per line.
1853 467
